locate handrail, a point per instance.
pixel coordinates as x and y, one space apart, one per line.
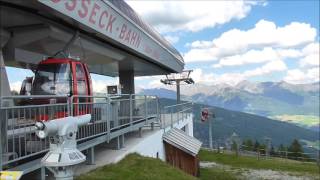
104 111
175 105
33 96
173 112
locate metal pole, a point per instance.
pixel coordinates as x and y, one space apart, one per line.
1 120
158 112
43 173
145 109
108 112
131 109
178 91
210 133
171 117
1 66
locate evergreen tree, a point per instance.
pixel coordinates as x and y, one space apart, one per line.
262 148
272 151
295 149
244 145
282 150
256 146
249 145
234 147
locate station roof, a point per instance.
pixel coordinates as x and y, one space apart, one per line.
110 36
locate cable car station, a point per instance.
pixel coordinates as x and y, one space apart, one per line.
62 42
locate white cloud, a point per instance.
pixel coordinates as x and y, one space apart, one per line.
100 86
154 84
250 57
289 53
201 55
264 34
230 78
311 58
311 48
200 77
199 44
253 56
172 39
234 78
297 76
147 82
171 16
273 66
15 86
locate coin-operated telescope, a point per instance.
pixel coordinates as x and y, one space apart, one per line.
63 154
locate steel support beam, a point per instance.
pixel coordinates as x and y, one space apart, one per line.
90 156
122 141
2 130
126 78
178 92
140 132
4 91
43 173
118 143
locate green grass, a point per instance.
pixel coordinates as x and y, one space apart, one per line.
253 163
216 174
136 167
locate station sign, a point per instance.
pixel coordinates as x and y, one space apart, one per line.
104 18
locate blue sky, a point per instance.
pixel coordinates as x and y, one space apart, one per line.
295 62
231 41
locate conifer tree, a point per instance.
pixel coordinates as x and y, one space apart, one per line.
295 149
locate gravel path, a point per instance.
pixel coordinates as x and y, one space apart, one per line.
272 175
259 174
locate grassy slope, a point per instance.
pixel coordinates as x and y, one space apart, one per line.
253 163
217 174
137 167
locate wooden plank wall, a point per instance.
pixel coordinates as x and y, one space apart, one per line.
182 160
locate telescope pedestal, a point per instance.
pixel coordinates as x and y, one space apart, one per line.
65 173
63 156
62 161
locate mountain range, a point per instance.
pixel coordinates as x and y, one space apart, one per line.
247 126
277 100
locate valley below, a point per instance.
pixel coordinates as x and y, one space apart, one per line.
279 111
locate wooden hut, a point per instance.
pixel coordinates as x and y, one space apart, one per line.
182 151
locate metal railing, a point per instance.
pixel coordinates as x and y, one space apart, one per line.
262 153
109 114
174 113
